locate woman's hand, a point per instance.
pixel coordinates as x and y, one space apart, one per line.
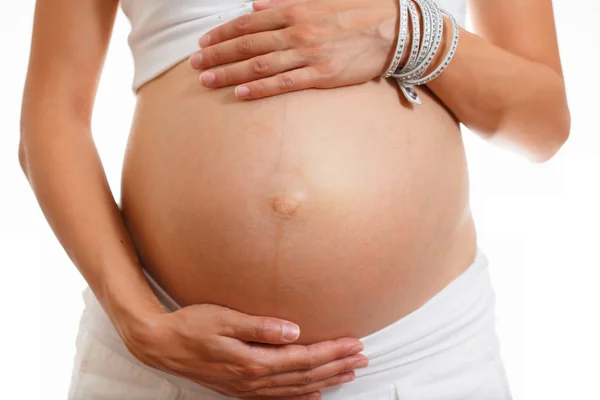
235 354
288 45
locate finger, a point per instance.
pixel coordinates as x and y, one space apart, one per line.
302 389
314 395
296 79
275 360
258 329
268 20
256 68
331 369
240 48
307 396
260 5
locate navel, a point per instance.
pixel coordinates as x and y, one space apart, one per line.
288 193
285 205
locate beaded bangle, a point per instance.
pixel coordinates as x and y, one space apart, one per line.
432 15
401 39
427 22
416 39
447 58
437 34
423 49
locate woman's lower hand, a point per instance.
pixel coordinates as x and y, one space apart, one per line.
234 354
288 45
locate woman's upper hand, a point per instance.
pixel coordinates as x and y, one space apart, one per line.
240 355
288 45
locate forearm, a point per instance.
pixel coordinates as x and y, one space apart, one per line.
503 97
64 170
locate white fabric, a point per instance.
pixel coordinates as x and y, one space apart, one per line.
445 350
164 32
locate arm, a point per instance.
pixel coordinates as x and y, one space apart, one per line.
58 156
505 83
205 343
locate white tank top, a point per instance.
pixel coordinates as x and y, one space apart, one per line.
165 32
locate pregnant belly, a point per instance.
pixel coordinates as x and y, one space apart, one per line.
341 210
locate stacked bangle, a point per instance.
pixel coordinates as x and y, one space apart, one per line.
401 39
423 49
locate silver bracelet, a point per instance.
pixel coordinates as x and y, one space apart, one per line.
401 39
426 39
411 74
416 39
408 70
437 27
432 15
447 58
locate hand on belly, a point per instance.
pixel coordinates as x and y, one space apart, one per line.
240 355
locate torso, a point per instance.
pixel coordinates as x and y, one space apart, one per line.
342 209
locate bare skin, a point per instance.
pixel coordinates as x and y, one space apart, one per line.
341 210
349 202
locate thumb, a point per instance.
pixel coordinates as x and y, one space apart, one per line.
260 5
258 329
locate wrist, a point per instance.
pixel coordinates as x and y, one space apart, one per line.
126 296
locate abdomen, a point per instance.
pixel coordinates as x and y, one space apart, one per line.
341 210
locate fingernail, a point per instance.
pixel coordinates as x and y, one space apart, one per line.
347 378
261 2
242 91
362 363
204 40
314 396
356 349
207 78
290 331
196 60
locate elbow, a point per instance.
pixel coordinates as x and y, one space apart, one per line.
535 139
534 123
22 156
555 136
552 117
24 138
22 152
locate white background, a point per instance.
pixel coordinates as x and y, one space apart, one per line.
538 223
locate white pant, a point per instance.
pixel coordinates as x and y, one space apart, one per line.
445 350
